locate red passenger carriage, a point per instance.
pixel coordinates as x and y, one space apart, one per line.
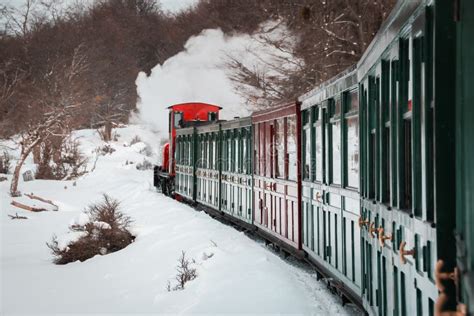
277 186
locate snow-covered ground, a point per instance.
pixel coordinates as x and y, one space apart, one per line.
243 275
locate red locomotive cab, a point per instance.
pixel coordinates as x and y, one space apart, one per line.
181 116
186 115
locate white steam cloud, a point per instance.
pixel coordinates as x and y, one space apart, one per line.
199 74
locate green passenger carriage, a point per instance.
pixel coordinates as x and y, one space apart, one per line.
330 180
236 169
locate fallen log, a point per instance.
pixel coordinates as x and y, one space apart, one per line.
27 207
35 197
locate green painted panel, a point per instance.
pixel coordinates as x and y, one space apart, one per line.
465 147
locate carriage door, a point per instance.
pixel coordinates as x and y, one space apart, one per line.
321 176
269 163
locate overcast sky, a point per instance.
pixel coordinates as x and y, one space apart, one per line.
167 5
176 5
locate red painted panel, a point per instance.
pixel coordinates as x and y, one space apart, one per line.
262 148
280 212
267 149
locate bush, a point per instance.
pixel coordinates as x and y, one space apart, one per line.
64 161
5 163
105 150
145 165
147 151
185 273
105 232
135 140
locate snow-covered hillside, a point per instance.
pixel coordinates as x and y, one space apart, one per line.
242 276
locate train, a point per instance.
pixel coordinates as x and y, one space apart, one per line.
369 176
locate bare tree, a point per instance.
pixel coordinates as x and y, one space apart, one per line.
18 20
269 78
10 77
330 37
59 97
109 112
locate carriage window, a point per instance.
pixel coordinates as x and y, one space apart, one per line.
336 152
182 146
203 157
190 152
216 154
262 148
352 139
386 159
319 146
178 151
280 148
206 153
292 148
211 152
407 165
307 145
241 151
337 107
169 122
270 153
181 152
249 153
212 116
178 119
256 157
244 151
394 98
236 153
336 142
229 152
353 152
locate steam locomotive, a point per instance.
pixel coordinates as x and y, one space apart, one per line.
369 176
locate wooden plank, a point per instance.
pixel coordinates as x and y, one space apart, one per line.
35 197
26 207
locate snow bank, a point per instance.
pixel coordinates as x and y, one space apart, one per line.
200 73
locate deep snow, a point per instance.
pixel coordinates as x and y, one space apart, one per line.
243 275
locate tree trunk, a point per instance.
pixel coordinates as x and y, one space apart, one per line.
37 154
108 131
16 174
25 151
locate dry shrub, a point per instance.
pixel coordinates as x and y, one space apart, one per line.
145 165
147 150
106 232
185 273
60 160
5 163
136 139
105 150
